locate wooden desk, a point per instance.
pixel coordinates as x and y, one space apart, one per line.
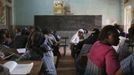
11 54
36 70
14 50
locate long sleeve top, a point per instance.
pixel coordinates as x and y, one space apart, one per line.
105 57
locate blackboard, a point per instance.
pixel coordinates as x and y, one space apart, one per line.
68 22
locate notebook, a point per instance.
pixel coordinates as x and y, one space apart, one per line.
18 69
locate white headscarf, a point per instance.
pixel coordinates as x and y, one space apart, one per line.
75 39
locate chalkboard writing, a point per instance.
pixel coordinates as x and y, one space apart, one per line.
68 22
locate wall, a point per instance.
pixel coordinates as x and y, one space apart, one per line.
24 10
110 9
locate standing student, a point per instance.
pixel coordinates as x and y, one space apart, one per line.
102 58
48 57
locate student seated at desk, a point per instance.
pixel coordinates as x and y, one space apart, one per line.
4 49
2 40
20 40
76 38
37 51
34 52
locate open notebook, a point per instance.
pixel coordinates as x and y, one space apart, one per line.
21 50
18 69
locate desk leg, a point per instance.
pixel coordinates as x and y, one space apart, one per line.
65 47
64 51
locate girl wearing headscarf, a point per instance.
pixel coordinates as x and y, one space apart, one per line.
77 37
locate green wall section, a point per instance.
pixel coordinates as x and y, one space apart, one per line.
110 9
26 9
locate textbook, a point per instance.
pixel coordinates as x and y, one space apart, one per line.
21 50
18 69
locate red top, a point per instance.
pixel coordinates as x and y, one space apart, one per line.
104 56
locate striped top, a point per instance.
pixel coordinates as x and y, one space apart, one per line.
127 65
92 69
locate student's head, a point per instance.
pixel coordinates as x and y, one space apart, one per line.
120 29
34 28
17 30
37 39
131 31
24 31
109 35
46 31
80 32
